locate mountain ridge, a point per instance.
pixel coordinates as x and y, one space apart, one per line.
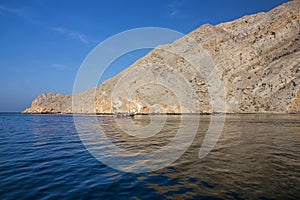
257 56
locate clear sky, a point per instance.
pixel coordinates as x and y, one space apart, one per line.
43 42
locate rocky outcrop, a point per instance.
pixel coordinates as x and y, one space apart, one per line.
50 103
256 57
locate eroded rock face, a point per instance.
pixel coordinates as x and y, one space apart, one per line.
50 103
256 57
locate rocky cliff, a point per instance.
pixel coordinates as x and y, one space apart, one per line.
257 58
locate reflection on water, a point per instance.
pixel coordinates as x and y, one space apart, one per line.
118 143
256 156
42 157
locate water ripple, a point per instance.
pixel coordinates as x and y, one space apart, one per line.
256 157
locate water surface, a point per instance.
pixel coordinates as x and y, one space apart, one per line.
256 157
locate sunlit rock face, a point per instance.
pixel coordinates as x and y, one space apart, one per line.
256 58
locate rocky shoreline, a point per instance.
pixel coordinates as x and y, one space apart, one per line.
257 58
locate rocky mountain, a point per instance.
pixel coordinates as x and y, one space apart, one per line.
256 57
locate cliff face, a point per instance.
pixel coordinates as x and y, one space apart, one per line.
257 57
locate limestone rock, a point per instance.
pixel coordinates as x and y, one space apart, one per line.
257 58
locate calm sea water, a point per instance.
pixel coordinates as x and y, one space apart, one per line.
256 157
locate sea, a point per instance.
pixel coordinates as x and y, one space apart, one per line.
249 156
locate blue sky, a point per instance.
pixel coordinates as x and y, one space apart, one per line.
43 42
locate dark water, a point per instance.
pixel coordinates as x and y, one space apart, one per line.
256 157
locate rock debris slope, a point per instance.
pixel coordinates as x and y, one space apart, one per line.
257 58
